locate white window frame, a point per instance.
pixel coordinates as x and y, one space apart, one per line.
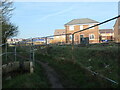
81 27
90 35
91 25
71 27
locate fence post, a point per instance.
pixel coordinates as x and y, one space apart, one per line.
73 49
1 48
6 50
15 51
45 40
46 44
32 64
30 49
66 38
33 52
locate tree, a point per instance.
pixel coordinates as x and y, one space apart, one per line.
8 29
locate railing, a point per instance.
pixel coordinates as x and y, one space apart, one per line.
31 49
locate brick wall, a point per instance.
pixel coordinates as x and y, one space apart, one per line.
117 31
84 33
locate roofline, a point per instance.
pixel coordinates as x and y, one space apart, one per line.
116 21
80 24
105 29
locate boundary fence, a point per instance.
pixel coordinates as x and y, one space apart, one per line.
32 49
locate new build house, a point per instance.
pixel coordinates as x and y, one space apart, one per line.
59 39
92 35
106 35
117 31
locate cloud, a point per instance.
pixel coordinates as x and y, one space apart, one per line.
55 14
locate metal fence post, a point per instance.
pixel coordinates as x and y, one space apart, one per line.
30 49
73 48
46 44
45 40
66 38
33 54
15 51
6 50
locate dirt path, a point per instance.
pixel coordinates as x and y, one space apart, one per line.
51 75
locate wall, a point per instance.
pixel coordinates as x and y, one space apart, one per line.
85 33
117 31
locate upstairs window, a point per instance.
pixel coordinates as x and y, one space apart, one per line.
91 36
71 27
81 27
92 25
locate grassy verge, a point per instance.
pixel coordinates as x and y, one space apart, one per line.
34 80
72 75
103 60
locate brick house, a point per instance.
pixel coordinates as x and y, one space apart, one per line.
106 34
59 39
117 30
79 24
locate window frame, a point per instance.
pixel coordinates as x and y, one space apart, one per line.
80 27
72 26
90 35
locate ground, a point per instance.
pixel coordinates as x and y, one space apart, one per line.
67 67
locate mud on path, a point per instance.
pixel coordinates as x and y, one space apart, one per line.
51 75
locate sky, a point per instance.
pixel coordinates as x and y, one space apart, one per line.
39 19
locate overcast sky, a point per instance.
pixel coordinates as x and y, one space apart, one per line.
37 19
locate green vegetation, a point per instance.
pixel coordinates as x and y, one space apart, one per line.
27 80
102 59
8 28
99 59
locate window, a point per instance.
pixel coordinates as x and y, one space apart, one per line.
71 27
81 27
70 37
91 36
91 25
57 36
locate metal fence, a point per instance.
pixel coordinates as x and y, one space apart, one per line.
11 52
29 53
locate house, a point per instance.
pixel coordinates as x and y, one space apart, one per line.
13 40
106 35
61 38
117 30
38 41
79 24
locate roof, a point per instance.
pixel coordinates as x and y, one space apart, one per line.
81 21
106 30
59 31
116 21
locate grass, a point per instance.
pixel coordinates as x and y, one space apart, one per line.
73 76
34 80
100 59
103 60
